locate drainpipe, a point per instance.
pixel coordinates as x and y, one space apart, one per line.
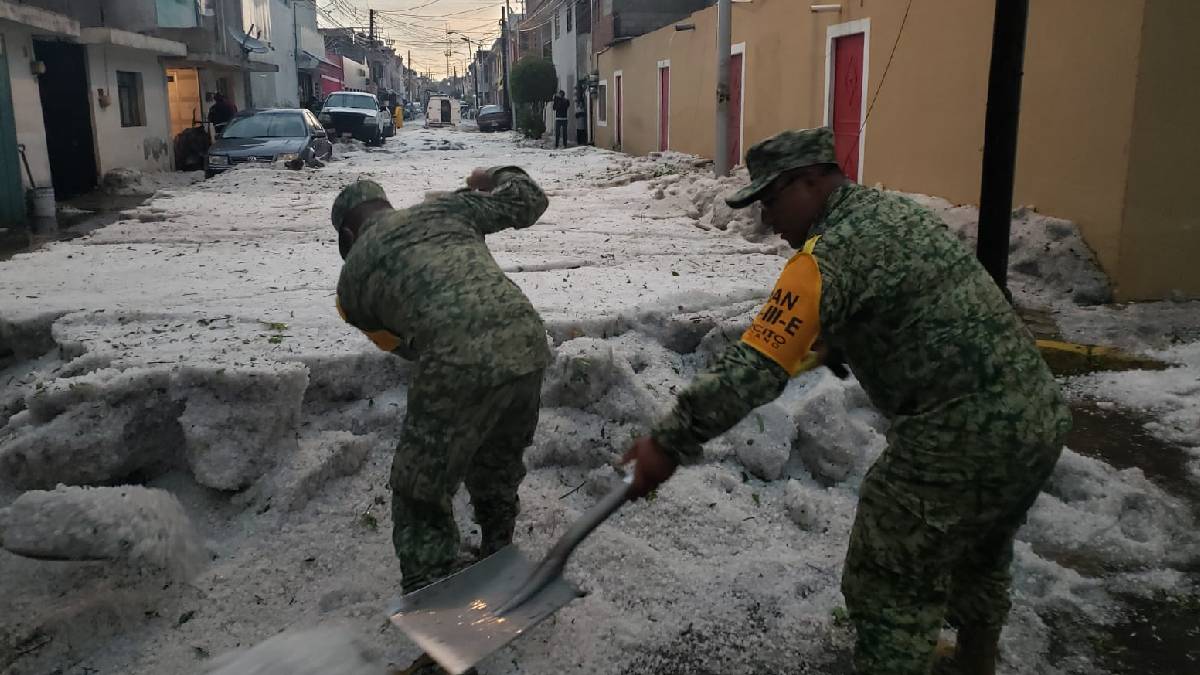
724 45
1000 137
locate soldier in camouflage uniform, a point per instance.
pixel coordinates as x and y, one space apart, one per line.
977 421
421 283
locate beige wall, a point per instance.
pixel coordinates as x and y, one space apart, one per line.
1160 240
26 100
146 147
925 133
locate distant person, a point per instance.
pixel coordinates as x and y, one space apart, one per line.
561 105
221 112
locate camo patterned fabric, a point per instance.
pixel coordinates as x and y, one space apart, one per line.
977 421
421 283
456 432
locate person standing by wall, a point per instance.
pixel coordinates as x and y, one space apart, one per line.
561 105
220 113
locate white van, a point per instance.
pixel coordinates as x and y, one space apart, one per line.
443 111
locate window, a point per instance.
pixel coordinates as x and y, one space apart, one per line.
177 13
257 14
568 17
267 125
129 95
602 103
556 26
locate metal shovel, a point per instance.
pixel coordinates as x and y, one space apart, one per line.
461 619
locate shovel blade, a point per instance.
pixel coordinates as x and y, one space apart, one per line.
454 620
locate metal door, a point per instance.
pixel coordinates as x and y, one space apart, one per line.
12 193
67 116
847 100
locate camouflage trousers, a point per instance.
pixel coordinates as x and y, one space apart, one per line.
923 552
457 431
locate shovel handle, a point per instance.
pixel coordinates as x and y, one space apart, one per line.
554 562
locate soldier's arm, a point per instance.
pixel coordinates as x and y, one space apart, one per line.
752 372
741 380
515 201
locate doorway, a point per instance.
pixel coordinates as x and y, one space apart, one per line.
617 77
845 89
736 88
66 112
183 99
447 114
664 105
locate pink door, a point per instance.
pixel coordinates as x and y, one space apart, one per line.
735 110
664 107
620 106
847 100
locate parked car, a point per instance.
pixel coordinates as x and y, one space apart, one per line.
272 135
355 113
493 118
442 111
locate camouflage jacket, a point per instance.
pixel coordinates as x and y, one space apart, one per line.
422 283
927 332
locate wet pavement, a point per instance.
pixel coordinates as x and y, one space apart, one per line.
1158 635
76 217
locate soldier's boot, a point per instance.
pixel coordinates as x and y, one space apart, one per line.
496 535
978 650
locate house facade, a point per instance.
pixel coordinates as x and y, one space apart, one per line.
1105 123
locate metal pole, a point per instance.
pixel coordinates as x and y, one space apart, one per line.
508 105
724 45
1000 137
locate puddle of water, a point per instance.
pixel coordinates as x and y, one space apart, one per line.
1160 635
1119 438
87 213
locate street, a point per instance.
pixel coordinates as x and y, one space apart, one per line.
207 313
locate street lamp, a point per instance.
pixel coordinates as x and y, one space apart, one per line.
474 60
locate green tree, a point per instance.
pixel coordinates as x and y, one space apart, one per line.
534 82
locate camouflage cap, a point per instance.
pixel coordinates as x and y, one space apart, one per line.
792 149
352 195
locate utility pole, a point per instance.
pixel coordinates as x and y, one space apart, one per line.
370 28
1000 137
508 106
724 42
408 76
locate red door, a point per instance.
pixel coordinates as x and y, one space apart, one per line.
847 100
620 106
735 110
664 107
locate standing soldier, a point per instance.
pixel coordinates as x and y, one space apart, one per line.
420 282
977 421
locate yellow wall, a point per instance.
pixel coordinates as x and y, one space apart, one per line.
925 133
1160 240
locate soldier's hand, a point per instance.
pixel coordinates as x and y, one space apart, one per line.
481 180
652 466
